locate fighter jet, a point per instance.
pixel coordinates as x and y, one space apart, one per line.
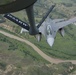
50 27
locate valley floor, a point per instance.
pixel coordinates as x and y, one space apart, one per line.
46 57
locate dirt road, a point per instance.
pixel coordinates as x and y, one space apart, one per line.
46 57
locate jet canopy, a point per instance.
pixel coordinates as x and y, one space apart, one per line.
49 30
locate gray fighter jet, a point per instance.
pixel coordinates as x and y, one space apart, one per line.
50 27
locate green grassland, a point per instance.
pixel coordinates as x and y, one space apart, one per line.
24 58
26 61
13 51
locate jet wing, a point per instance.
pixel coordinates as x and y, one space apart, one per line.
42 29
58 20
65 23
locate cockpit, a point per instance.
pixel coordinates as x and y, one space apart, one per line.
49 30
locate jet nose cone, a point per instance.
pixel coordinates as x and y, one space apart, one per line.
50 41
